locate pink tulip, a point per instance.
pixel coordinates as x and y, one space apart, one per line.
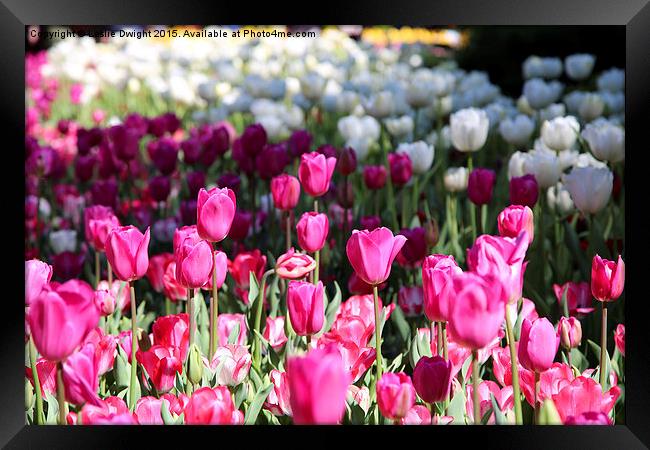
589 418
80 377
584 395
105 302
432 378
278 400
172 288
161 364
395 395
127 252
37 275
111 411
99 222
570 332
226 323
437 272
551 381
147 410
105 346
503 258
274 332
371 253
221 263
305 306
478 309
156 271
418 415
293 265
607 278
578 297
312 231
285 190
318 384
538 344
61 318
619 338
46 375
193 263
212 406
180 234
360 396
486 390
357 359
411 300
315 173
235 362
172 331
515 219
215 213
480 185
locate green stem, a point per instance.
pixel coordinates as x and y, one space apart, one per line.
288 229
134 342
60 394
214 313
97 271
168 306
439 340
377 335
257 357
483 213
443 325
603 346
389 186
475 383
40 418
404 207
110 274
317 269
536 397
515 370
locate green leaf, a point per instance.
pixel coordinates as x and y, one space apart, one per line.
456 407
414 353
400 322
256 405
498 414
241 392
255 377
167 417
52 409
548 414
121 368
234 334
179 384
272 420
253 289
332 308
395 365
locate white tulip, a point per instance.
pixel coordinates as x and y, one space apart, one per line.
442 141
274 126
579 66
516 165
380 105
541 94
587 160
469 129
612 80
591 107
552 111
361 146
420 153
312 86
573 101
560 133
399 127
544 165
536 67
615 101
606 141
524 107
590 187
559 199
63 241
455 179
517 130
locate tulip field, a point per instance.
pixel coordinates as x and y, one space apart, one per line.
321 230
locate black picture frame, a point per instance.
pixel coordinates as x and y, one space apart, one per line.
634 15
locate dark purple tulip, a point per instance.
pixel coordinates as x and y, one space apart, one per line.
191 150
107 163
217 139
172 122
159 188
480 185
195 181
87 139
347 161
67 265
164 154
524 191
31 145
345 194
415 248
271 161
245 163
240 225
63 126
84 167
104 192
299 142
253 139
45 161
229 180
370 222
328 150
137 123
124 142
143 216
188 212
157 126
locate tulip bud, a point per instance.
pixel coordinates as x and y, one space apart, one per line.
195 369
431 232
29 395
347 161
570 332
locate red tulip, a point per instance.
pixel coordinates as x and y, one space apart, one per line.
293 265
80 377
46 371
315 173
37 275
619 338
374 177
172 331
395 395
286 191
60 318
147 410
215 213
607 278
156 271
524 191
212 406
161 364
432 378
437 271
305 307
318 384
538 344
194 263
371 254
401 168
172 288
589 418
480 185
127 252
313 229
515 219
584 395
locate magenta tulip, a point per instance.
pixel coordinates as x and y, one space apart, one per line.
371 253
37 275
127 252
194 262
432 378
607 278
293 265
411 300
375 177
274 332
285 190
480 185
80 377
395 395
215 212
437 271
212 406
312 231
524 190
99 221
515 219
315 173
305 306
401 168
538 344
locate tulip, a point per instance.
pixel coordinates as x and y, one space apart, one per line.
212 406
299 142
371 253
370 222
544 165
515 219
156 271
274 332
105 302
524 190
271 161
37 275
172 288
148 411
589 418
619 338
188 212
420 154
312 230
591 107
172 332
414 249
395 395
538 344
63 241
607 278
590 188
159 188
226 325
456 179
432 378
161 364
194 263
305 306
99 221
540 94
253 139
234 362
374 177
318 384
315 173
517 131
480 185
46 374
401 169
560 133
67 265
578 297
241 224
292 265
584 395
127 252
347 161
606 141
80 377
469 129
579 65
570 332
437 272
195 182
111 411
547 67
411 300
241 266
286 192
418 415
215 213
278 399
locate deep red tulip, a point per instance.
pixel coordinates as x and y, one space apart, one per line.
374 177
432 378
401 168
480 185
524 190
